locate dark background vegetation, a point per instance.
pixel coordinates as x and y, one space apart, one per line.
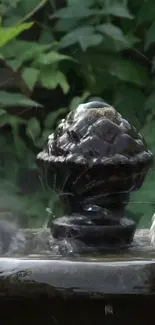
55 55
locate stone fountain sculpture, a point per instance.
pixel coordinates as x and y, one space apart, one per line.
98 159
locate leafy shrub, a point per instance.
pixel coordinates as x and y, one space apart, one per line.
105 47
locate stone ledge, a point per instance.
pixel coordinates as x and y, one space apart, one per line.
127 274
75 278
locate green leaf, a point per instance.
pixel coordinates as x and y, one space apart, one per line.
94 68
7 34
30 7
51 79
85 36
146 12
2 111
21 148
130 101
150 102
148 132
10 100
86 3
33 128
23 51
3 9
52 57
129 71
75 12
132 39
52 117
46 37
13 121
14 64
77 100
40 143
150 36
153 68
64 25
30 76
23 11
33 50
110 45
112 31
117 10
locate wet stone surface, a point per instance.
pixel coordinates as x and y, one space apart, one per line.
96 159
39 243
92 289
47 273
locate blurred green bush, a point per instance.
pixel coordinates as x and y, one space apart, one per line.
82 49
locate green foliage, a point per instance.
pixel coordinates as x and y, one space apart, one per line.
107 47
37 63
33 128
17 11
8 33
16 99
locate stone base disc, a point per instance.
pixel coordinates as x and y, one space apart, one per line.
118 234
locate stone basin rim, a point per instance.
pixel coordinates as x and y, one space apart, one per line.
73 279
78 277
34 278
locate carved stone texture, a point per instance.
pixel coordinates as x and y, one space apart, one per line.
98 159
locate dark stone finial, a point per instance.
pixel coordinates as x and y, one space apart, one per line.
99 158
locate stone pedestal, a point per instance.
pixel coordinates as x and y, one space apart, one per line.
110 289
